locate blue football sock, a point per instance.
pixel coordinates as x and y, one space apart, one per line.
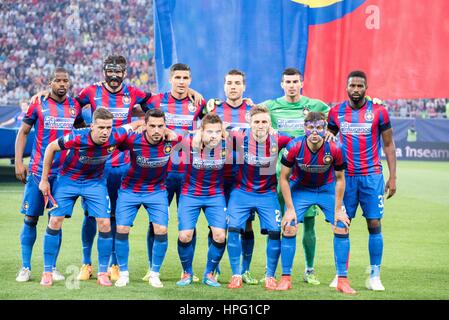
51 243
88 232
27 240
375 246
214 255
341 252
234 251
273 252
209 243
113 258
185 251
288 250
247 249
159 251
122 250
150 243
59 248
104 246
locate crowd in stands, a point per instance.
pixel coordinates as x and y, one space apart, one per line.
36 36
418 108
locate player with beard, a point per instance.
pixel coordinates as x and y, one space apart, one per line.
362 125
51 119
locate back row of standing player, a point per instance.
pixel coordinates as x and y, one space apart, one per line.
286 114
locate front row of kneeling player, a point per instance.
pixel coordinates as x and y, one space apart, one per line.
312 174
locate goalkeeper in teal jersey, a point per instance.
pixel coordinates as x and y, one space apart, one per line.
287 116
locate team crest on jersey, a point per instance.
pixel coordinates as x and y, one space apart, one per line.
26 206
327 158
111 149
223 153
167 149
285 152
126 99
191 107
274 148
369 116
72 112
248 117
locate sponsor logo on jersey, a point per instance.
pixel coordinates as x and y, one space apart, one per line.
361 129
58 123
314 168
93 160
119 113
178 120
290 124
152 162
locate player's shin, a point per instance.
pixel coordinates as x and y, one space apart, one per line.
122 250
104 244
273 252
88 232
27 240
234 250
185 251
288 249
375 246
159 251
150 243
50 248
247 249
214 255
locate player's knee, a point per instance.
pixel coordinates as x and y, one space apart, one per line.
219 235
160 229
104 225
123 229
274 235
248 235
31 220
290 231
341 232
374 226
55 223
185 237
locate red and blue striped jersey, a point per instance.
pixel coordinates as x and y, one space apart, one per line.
120 104
360 135
85 160
313 169
51 120
204 171
148 163
180 116
257 161
237 117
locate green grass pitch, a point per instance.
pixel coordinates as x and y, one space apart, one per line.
414 266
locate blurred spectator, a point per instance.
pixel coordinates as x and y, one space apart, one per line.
36 36
16 120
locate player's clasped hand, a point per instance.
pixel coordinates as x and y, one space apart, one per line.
44 187
289 217
329 136
342 217
390 187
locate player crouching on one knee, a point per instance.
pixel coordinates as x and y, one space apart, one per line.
312 174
